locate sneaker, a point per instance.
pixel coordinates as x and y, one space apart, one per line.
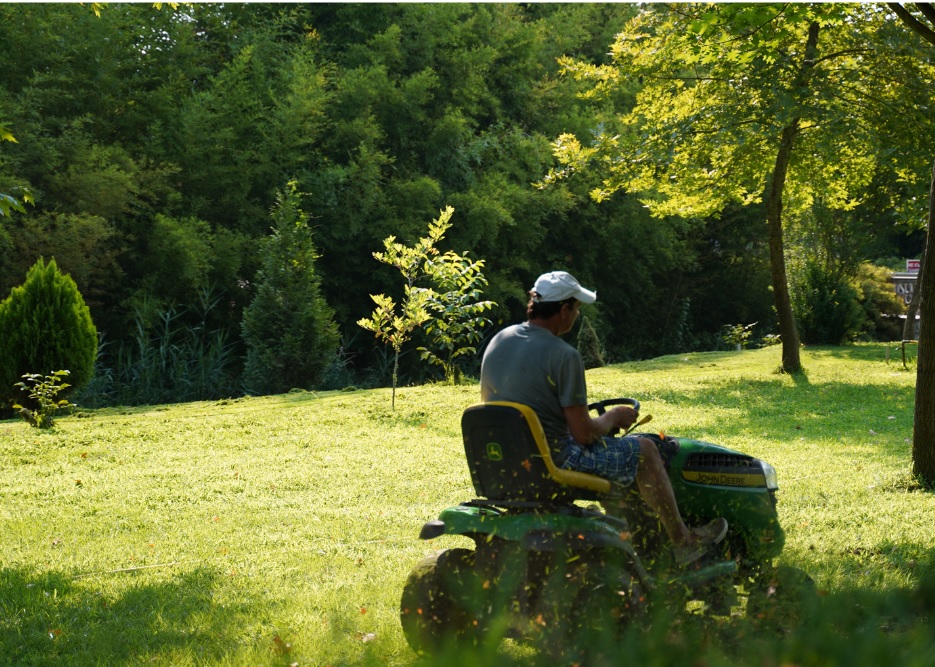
688 554
713 532
708 536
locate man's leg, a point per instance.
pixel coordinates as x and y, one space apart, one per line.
656 489
624 460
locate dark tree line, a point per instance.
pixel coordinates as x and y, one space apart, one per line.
155 142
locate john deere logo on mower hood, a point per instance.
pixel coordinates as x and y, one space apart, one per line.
494 453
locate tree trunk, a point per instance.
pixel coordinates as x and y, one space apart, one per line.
923 436
789 333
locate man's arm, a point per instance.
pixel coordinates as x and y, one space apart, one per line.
586 429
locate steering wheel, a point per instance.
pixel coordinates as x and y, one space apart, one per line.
601 407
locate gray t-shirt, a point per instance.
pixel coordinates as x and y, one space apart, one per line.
527 364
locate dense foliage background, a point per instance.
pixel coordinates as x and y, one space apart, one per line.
155 141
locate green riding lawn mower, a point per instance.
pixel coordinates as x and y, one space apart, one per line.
550 569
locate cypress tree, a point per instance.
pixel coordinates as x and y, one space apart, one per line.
288 328
589 345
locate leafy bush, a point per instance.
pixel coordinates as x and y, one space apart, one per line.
43 390
770 339
880 302
288 328
458 320
833 309
737 335
46 326
826 306
448 308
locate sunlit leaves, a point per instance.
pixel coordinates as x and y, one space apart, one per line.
9 203
719 84
392 328
5 134
458 311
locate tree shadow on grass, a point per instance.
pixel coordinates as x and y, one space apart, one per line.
795 623
51 619
860 626
804 625
855 628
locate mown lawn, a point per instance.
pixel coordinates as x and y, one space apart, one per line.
280 530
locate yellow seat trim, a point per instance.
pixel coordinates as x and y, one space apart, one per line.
571 478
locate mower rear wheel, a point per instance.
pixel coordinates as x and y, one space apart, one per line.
585 606
442 602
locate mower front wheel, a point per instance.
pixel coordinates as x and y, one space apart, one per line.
442 602
779 597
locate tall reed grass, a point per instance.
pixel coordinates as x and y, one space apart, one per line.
172 361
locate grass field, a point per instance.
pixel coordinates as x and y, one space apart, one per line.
280 530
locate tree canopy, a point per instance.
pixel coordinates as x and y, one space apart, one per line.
923 437
790 105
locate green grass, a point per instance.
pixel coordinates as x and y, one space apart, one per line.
280 530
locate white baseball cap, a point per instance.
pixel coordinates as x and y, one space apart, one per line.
561 285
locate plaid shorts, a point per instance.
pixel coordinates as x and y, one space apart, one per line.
615 459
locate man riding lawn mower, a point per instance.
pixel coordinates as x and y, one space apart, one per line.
543 565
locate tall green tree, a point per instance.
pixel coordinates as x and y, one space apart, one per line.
922 23
454 104
739 103
923 435
155 141
288 327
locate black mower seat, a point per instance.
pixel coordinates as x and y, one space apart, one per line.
509 459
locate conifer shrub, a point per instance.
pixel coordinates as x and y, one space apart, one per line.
589 345
46 326
288 328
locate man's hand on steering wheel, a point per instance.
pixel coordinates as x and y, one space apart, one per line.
623 416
